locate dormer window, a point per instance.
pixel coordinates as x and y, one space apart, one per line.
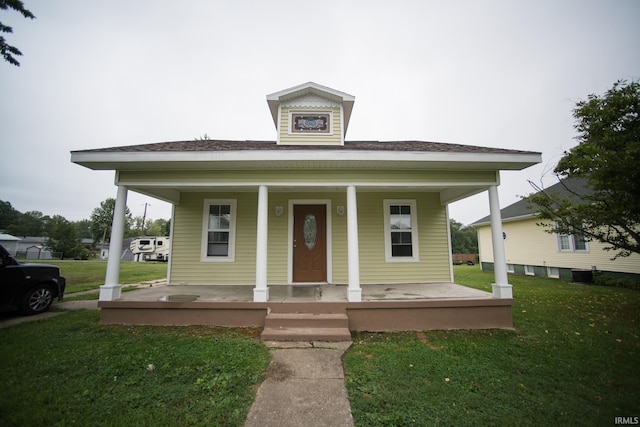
312 122
310 114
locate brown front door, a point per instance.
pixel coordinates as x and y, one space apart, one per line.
309 243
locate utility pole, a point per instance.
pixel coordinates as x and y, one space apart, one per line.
144 216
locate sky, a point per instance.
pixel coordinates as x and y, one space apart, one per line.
105 73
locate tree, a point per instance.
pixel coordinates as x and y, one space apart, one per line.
157 227
102 218
607 157
32 223
464 240
63 237
6 49
8 215
84 228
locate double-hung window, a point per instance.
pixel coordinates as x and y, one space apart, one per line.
401 231
572 243
218 230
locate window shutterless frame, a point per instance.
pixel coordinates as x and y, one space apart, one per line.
401 231
218 230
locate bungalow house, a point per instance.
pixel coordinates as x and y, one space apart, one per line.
308 210
532 251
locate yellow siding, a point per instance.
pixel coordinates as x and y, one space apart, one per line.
303 176
186 266
186 240
432 237
315 139
528 244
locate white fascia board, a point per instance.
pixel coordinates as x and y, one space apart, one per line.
519 161
309 87
512 219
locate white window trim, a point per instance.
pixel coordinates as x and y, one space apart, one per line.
551 275
231 257
414 231
572 247
511 268
529 270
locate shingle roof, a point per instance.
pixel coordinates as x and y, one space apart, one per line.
522 208
228 145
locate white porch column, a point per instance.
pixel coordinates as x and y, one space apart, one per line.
112 289
353 253
501 288
261 291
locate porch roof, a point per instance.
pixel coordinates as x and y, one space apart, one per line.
226 154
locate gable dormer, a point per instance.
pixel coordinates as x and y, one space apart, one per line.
310 114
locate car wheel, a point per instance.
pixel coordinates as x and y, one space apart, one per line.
37 300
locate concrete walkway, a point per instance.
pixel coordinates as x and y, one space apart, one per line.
304 386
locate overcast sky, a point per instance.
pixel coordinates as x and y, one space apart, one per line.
119 72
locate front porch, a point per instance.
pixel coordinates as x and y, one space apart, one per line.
384 307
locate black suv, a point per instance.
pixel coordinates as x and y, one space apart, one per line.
30 288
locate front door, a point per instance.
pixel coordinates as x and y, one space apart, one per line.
309 243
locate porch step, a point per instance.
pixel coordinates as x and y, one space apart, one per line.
306 334
306 327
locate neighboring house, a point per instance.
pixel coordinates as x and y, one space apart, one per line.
308 207
532 251
9 242
125 254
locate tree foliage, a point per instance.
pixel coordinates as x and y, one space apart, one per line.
7 51
157 227
102 218
607 157
464 240
63 237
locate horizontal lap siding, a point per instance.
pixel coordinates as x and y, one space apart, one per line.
186 266
433 241
286 138
187 235
529 244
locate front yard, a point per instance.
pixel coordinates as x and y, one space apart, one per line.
572 360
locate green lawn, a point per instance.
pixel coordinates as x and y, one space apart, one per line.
88 275
67 370
573 360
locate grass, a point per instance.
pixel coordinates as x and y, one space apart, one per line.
89 275
571 361
67 370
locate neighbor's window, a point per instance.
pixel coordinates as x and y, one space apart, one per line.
572 243
529 270
401 230
218 230
511 268
553 272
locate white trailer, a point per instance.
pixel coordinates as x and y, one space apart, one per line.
151 248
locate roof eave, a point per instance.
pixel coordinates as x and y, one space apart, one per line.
259 159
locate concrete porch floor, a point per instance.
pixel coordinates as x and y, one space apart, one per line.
305 293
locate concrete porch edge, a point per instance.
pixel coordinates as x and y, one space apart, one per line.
373 316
